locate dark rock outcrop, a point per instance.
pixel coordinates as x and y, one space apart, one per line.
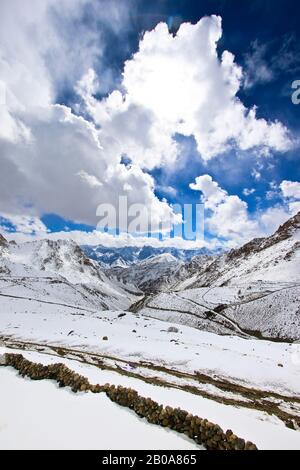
3 242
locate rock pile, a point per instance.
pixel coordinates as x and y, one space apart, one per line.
200 430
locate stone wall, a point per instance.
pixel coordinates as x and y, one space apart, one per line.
203 432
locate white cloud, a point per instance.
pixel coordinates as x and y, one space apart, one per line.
257 70
291 194
54 161
99 238
228 216
91 180
256 174
180 85
213 195
73 177
167 190
290 189
248 191
26 224
271 218
294 207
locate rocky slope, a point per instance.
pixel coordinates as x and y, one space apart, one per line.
3 242
273 259
253 291
59 271
155 274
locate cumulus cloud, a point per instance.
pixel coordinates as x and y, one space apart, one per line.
178 84
228 217
290 189
68 172
291 194
53 161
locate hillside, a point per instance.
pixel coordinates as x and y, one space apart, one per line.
58 272
253 291
212 335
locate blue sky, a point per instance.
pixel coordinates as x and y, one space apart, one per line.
259 182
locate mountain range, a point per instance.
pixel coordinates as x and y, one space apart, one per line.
58 272
129 255
252 291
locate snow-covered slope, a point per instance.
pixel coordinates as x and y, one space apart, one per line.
262 310
199 330
253 291
60 425
274 259
154 274
59 272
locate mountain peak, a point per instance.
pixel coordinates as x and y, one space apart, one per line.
161 258
3 241
285 231
290 226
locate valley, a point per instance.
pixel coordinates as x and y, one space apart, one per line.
217 335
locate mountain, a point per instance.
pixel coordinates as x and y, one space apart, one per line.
199 328
149 268
3 242
274 259
128 255
252 291
59 272
151 275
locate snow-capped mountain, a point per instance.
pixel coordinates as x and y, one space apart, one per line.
153 274
128 255
274 259
3 242
59 271
52 299
253 291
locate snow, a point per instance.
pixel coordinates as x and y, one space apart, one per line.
39 415
52 295
266 431
163 258
279 262
60 272
250 362
269 308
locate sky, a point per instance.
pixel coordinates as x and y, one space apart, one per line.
164 103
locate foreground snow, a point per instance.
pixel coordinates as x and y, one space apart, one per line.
122 428
38 415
